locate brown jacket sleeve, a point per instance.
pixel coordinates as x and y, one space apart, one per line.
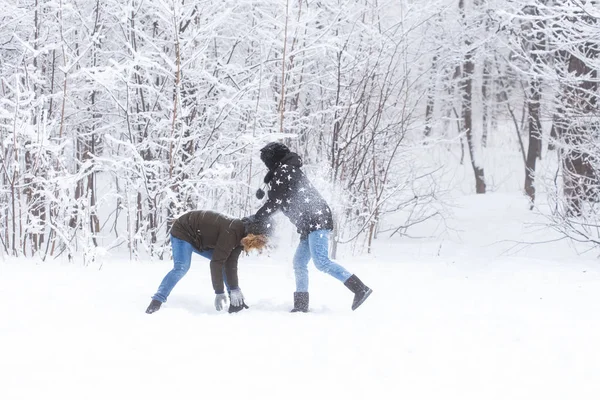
231 271
226 243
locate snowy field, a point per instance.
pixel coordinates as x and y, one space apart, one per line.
470 316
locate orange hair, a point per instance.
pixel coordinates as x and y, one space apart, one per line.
254 242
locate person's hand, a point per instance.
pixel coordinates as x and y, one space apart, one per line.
220 301
234 309
236 298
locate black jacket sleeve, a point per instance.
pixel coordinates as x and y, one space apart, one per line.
226 243
278 193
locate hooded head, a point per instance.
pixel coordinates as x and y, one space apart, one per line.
273 153
257 233
256 227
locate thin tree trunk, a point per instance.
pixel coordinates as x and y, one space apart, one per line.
283 61
430 97
467 116
519 137
467 112
581 99
535 137
485 92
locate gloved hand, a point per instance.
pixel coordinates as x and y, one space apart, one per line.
233 308
220 301
236 298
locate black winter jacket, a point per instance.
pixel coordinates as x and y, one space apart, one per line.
208 230
291 192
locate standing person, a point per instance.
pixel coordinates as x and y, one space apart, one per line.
220 239
291 192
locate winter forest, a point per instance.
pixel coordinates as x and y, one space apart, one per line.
117 116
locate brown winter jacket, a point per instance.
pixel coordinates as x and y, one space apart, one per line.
208 230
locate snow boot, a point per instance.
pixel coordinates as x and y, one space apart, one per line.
153 307
300 302
360 290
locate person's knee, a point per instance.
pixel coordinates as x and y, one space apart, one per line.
322 263
300 264
181 268
301 260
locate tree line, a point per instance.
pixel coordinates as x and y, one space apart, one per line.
116 116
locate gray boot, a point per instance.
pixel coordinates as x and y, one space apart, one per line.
300 302
153 307
360 290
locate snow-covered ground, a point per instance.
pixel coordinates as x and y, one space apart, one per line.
474 315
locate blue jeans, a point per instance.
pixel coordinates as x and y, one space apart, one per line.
182 259
317 247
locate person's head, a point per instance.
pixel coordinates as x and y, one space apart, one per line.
257 234
254 242
273 153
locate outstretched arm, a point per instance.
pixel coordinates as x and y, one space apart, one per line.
279 191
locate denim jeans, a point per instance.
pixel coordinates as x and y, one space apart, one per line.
182 259
317 248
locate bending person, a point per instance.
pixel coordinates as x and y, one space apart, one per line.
220 239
